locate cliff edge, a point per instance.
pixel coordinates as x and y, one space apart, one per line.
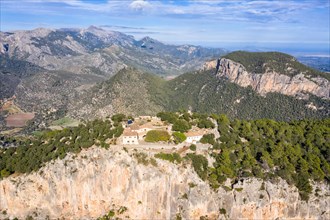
273 72
96 180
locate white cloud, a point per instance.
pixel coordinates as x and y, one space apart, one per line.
178 11
140 5
226 10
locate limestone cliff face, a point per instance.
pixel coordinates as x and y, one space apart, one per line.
90 184
213 64
270 81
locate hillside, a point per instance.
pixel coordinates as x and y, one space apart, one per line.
202 92
47 93
137 93
129 91
262 62
98 181
11 73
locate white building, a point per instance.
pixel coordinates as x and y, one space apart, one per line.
143 129
139 128
130 137
194 136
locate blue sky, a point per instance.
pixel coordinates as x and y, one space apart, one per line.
217 23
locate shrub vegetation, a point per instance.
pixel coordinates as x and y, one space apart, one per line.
174 157
178 137
193 147
208 139
157 135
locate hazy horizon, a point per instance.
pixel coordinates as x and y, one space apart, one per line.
295 49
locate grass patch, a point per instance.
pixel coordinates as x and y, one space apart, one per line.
174 158
157 135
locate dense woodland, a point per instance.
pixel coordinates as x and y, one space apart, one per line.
30 154
297 151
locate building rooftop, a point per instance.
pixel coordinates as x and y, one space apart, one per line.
129 133
134 126
194 133
147 125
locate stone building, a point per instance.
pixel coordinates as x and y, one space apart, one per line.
130 137
194 136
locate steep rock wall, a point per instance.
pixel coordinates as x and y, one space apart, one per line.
271 81
97 180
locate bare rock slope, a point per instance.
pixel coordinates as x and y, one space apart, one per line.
97 180
285 76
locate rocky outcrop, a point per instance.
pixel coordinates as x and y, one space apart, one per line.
299 85
97 180
213 64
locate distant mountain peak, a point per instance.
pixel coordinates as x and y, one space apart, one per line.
69 29
148 39
92 27
37 32
41 29
97 31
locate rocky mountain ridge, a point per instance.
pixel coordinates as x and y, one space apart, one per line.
98 51
267 72
97 180
271 81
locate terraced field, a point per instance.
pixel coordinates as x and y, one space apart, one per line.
19 119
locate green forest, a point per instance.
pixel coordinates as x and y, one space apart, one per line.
30 154
296 151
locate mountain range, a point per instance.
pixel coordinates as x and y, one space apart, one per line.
98 51
88 73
